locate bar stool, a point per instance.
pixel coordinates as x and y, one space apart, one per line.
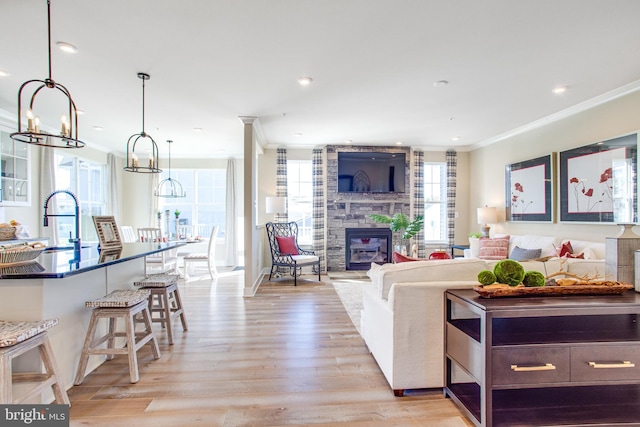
16 338
164 299
126 305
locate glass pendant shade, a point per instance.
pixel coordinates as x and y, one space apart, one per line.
169 188
134 163
32 133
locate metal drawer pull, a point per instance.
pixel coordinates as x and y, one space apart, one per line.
545 367
624 364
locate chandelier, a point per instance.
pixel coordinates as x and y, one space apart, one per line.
169 188
134 164
32 134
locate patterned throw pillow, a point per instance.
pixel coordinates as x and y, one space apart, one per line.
496 248
287 245
521 254
566 251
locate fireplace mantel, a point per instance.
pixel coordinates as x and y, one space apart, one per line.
347 203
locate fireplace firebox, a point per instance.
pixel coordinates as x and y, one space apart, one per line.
366 245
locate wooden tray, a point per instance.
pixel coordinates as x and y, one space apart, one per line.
549 291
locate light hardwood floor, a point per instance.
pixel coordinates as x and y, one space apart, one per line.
288 356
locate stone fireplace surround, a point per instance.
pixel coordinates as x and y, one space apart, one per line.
352 210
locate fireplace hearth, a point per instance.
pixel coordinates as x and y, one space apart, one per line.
366 245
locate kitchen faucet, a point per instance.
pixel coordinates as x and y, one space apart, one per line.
76 241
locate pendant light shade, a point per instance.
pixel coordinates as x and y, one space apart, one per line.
169 188
31 133
148 164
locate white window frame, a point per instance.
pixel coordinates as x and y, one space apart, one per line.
298 197
429 181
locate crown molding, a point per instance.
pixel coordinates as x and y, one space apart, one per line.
563 114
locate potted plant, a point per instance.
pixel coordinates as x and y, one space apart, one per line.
400 223
177 213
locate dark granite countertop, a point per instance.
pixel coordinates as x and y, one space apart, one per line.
59 264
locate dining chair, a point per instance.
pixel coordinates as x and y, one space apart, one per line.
162 262
209 257
128 236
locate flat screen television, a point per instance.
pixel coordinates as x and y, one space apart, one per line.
371 172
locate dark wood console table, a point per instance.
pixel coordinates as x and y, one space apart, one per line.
571 360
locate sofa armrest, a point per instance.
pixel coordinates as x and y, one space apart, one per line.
418 332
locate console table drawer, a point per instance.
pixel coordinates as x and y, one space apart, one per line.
531 365
605 363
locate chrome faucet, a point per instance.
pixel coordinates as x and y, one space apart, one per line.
76 241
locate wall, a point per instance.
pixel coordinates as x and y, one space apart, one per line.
486 166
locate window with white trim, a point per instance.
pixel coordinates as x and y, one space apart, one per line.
204 205
300 198
87 180
435 202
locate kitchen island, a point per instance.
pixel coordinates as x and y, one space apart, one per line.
58 283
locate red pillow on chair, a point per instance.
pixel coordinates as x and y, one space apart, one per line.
287 245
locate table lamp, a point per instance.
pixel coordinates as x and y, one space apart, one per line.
276 205
486 216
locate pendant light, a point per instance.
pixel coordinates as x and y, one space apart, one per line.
169 188
134 164
32 134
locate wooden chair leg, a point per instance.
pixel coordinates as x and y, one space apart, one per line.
134 377
50 366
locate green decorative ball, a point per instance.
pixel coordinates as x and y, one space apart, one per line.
533 278
486 277
509 272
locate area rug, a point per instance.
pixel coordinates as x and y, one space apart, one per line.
350 293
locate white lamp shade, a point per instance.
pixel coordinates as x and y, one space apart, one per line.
276 205
487 215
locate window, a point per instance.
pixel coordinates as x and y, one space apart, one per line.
87 180
205 203
435 202
300 198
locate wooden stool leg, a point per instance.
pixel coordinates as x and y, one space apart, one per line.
166 314
46 353
84 355
155 349
6 394
183 318
111 341
131 349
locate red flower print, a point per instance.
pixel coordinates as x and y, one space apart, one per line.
514 199
573 180
519 187
588 193
606 175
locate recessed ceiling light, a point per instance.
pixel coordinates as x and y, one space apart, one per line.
98 128
455 138
67 47
559 89
305 81
197 129
297 134
398 142
440 83
348 141
3 73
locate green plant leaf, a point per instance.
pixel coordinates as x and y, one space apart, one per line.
382 219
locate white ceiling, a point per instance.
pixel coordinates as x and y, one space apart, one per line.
373 64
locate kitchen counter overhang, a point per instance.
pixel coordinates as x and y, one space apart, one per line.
58 264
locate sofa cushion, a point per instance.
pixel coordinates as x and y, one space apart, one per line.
287 245
548 244
383 276
520 254
496 248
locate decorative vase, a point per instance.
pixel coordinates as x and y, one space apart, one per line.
474 247
620 255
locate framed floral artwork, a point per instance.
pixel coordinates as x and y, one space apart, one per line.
529 189
598 182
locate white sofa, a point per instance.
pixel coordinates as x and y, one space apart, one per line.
402 319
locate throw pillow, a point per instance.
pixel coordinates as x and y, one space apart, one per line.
521 254
496 248
287 245
565 249
398 258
